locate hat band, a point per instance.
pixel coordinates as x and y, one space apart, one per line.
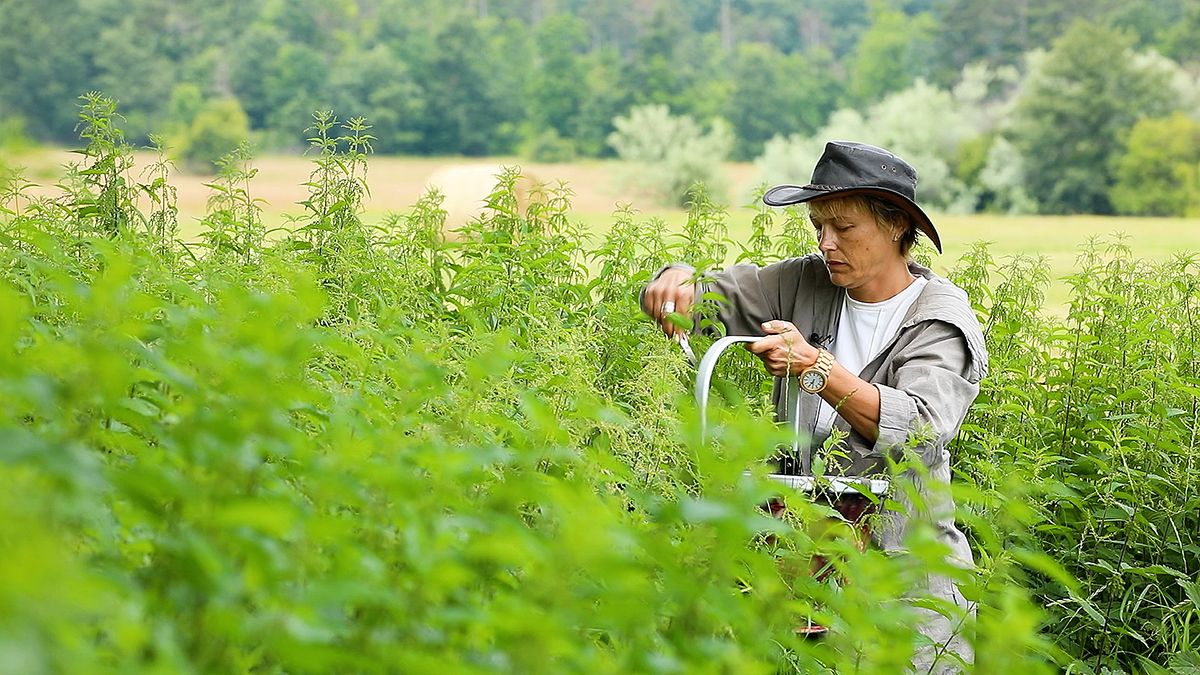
822 187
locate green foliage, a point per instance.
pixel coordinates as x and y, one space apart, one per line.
360 448
1159 173
133 68
13 141
978 31
923 124
605 100
1098 415
668 154
774 93
357 450
292 81
1181 39
548 146
546 79
653 75
47 52
14 138
971 157
556 94
475 111
891 54
1003 180
215 130
1083 96
233 225
380 86
99 191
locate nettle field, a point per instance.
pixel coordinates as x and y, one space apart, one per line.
354 447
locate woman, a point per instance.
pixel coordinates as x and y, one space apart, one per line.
888 352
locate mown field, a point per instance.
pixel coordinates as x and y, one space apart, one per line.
398 182
351 447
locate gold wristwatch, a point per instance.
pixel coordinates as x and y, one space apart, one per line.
814 378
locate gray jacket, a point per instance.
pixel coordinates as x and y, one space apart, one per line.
927 376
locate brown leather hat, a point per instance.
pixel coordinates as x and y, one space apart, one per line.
856 168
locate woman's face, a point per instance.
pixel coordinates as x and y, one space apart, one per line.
862 257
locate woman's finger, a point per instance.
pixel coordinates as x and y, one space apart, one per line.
651 300
668 304
761 347
777 326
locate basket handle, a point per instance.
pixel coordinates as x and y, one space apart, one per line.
704 379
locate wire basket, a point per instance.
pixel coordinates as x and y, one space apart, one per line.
846 494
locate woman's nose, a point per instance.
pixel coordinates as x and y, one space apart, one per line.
825 239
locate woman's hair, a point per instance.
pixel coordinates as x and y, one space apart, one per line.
887 215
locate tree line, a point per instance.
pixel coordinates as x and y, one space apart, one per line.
1078 95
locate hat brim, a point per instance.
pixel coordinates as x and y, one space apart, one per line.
786 195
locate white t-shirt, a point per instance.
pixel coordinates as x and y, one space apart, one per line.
863 330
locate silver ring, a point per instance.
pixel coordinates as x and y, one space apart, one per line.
668 307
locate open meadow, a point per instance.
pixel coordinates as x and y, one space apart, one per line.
396 183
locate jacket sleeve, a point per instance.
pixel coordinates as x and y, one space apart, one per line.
748 294
751 295
932 386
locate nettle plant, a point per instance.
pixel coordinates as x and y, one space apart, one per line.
361 447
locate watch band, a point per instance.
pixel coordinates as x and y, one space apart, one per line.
824 362
821 369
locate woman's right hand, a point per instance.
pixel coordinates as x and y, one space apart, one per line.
673 291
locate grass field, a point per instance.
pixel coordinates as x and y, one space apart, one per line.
397 182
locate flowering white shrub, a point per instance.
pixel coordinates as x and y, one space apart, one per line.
666 154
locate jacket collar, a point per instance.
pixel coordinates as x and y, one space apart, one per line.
941 300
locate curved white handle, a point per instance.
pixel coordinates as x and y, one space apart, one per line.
704 373
704 378
707 365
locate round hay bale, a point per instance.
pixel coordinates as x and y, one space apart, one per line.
466 188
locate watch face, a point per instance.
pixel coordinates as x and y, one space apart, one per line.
812 381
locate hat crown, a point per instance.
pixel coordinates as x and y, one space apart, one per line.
847 169
858 165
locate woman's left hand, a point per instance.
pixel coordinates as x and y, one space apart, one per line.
784 351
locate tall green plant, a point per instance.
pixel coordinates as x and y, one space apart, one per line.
367 448
99 188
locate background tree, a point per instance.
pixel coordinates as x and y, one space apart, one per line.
217 129
1181 40
294 85
257 48
1156 176
971 31
135 70
468 111
651 74
667 154
1002 180
378 85
776 93
559 82
1149 21
46 49
1086 93
511 53
894 52
603 99
549 76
